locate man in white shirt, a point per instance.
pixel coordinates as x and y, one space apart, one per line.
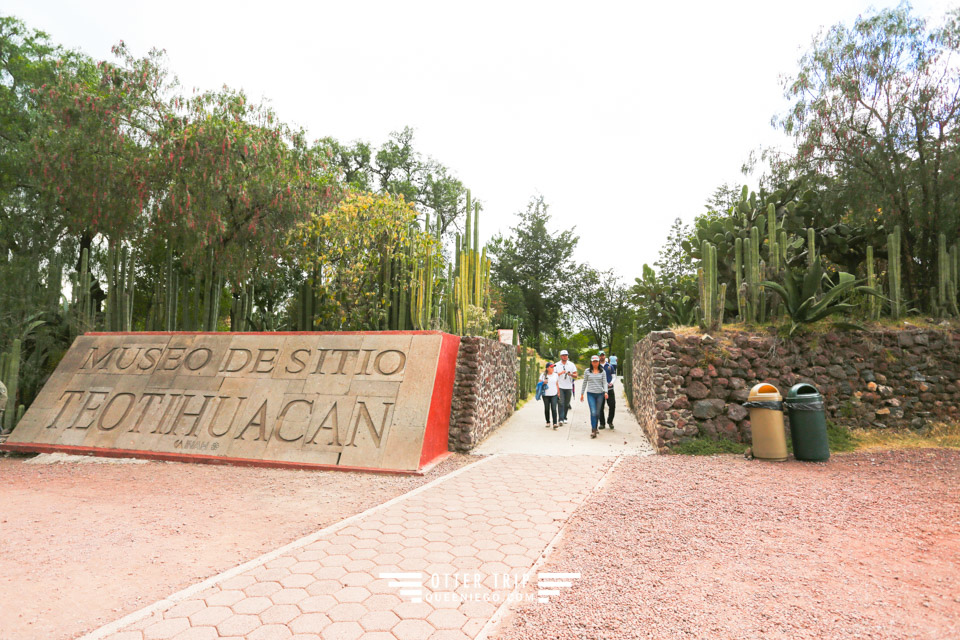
567 372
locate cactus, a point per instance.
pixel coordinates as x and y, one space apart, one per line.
954 269
738 271
749 292
466 234
872 307
522 380
756 270
712 295
773 244
947 279
120 283
171 292
11 377
476 226
83 312
893 272
811 247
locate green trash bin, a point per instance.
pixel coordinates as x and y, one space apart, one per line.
808 423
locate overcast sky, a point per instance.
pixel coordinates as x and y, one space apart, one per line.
623 115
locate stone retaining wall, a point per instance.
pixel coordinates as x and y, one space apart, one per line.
484 391
690 385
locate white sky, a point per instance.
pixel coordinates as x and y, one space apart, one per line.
624 116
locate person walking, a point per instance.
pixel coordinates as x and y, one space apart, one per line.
611 398
567 371
595 388
549 378
613 363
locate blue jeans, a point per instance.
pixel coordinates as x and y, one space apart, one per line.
565 395
595 400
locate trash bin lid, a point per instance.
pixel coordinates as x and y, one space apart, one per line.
803 390
765 392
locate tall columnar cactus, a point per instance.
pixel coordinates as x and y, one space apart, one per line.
953 265
947 283
471 274
11 378
170 305
707 281
467 235
522 380
82 316
811 247
872 306
476 226
773 238
712 295
753 274
738 272
893 272
120 284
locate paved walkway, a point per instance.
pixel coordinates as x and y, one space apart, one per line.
524 433
453 551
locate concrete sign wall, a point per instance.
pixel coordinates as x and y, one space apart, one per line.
377 400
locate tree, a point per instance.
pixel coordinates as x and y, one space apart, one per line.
347 248
239 180
397 168
532 268
95 156
876 107
599 302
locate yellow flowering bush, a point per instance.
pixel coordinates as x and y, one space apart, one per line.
357 254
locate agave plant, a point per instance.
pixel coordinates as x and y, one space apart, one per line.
800 301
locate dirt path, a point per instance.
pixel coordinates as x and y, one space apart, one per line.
87 543
864 546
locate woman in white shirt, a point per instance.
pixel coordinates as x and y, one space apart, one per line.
550 400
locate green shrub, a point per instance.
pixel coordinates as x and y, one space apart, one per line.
840 439
708 447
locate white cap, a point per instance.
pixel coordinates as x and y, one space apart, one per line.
564 352
594 358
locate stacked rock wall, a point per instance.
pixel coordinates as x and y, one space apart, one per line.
484 391
647 379
695 385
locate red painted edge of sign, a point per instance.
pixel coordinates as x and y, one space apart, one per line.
190 457
267 333
437 433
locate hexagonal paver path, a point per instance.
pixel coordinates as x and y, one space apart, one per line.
453 552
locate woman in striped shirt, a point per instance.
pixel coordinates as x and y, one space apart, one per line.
595 388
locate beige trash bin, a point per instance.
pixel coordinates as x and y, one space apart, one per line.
766 423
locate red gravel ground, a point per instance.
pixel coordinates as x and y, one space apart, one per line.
866 545
84 544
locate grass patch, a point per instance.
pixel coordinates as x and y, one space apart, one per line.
708 447
936 435
840 439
